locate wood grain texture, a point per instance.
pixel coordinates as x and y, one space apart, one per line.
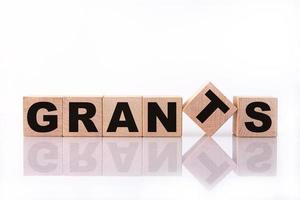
136 109
162 102
96 119
198 102
28 102
240 117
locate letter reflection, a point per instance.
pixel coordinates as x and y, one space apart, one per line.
208 162
255 156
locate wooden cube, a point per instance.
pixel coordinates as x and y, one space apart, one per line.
122 116
42 116
209 109
256 117
207 161
162 116
255 156
82 116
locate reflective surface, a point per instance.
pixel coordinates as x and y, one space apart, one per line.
95 168
205 160
102 156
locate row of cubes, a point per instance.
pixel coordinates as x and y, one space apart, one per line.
148 116
102 116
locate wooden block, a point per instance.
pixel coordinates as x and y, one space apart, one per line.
82 156
255 156
82 116
207 161
122 156
162 157
122 116
209 109
256 117
42 156
42 116
162 116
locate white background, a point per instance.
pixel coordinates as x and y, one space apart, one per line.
154 47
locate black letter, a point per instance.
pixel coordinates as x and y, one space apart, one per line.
212 107
32 121
168 122
265 119
115 120
74 116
